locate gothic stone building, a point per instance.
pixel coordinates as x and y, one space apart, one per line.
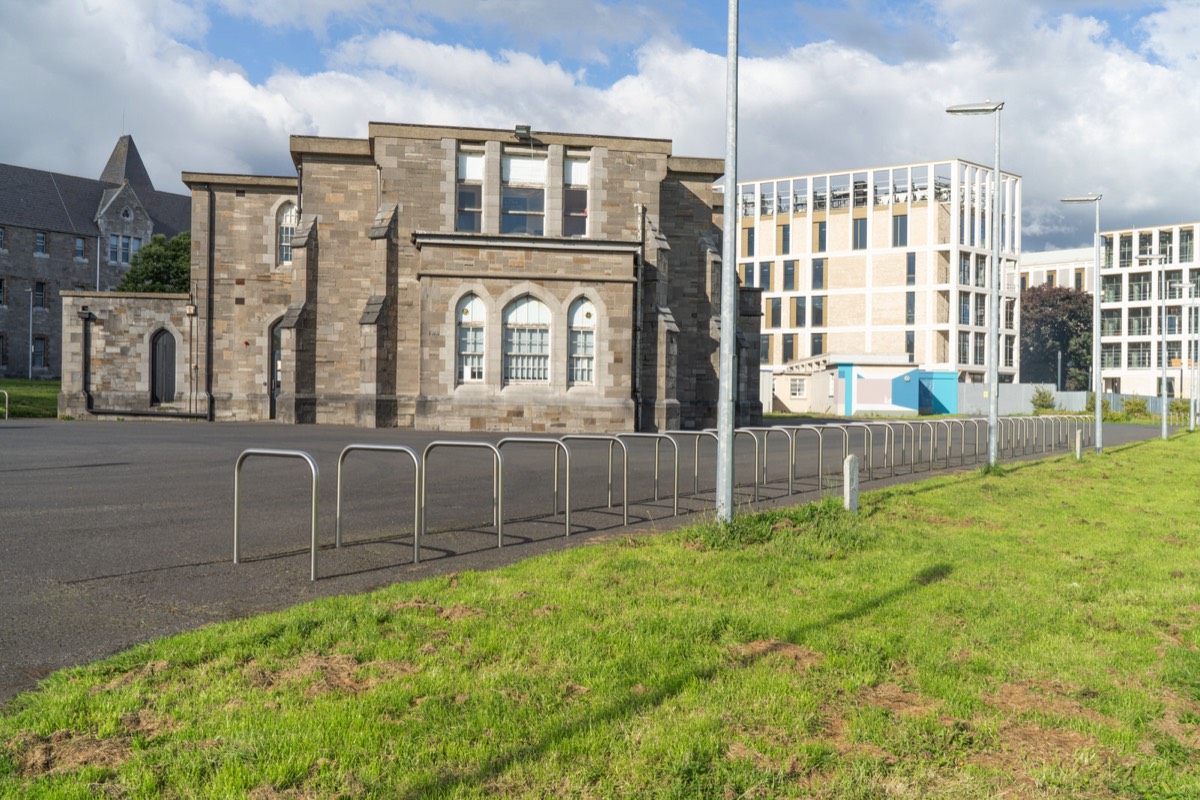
61 232
438 278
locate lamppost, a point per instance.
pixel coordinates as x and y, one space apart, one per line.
993 331
1160 259
729 288
1098 382
30 290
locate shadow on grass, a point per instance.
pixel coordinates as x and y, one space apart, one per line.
635 704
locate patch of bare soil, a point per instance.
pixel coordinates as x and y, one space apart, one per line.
1024 747
65 751
461 612
149 670
898 700
337 672
417 604
1172 724
1046 697
146 723
801 657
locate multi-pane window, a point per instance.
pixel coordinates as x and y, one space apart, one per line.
2 246
798 388
39 243
819 237
468 203
80 247
1186 245
1139 322
1079 280
1010 348
1110 322
523 195
785 239
980 310
576 174
1010 314
964 269
964 347
910 308
818 311
749 251
816 344
39 295
1125 257
910 343
764 349
789 347
1174 320
910 270
818 273
1049 278
288 217
121 248
964 308
774 312
789 276
1106 248
798 308
3 292
764 275
900 230
526 341
1110 356
1174 353
1145 243
40 350
980 348
1139 287
581 343
981 264
860 234
1110 288
469 321
1139 354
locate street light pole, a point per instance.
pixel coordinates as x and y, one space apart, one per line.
993 331
30 290
1097 380
729 286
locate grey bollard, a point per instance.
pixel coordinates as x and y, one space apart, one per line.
1079 445
850 483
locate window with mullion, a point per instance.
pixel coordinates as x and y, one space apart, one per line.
526 354
523 195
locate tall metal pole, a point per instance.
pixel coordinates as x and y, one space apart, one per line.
1098 387
30 290
1162 354
729 287
994 322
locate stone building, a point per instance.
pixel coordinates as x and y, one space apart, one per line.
60 232
439 278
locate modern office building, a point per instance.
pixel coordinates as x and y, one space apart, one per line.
61 232
1072 269
874 263
1150 286
434 277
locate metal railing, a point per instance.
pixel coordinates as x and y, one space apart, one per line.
566 451
237 496
696 437
497 483
417 504
612 440
658 439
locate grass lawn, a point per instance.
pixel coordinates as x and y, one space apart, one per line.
29 398
1030 634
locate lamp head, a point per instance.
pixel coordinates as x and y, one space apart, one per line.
1091 198
986 107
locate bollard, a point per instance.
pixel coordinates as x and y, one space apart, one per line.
850 483
1078 445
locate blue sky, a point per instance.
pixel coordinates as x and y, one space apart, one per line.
1101 96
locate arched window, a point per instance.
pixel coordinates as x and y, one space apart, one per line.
287 217
162 368
526 341
581 343
469 318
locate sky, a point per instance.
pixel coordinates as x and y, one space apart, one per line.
1100 97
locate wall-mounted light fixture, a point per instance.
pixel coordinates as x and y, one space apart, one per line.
522 132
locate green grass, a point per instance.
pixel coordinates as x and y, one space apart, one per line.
1030 633
30 398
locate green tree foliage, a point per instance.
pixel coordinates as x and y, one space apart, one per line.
1042 400
1054 319
160 266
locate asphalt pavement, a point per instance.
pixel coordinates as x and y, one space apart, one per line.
117 532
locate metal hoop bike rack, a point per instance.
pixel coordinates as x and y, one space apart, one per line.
497 483
597 437
237 498
387 448
659 438
753 438
815 429
696 436
766 431
557 445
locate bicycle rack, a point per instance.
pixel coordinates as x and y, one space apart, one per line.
598 437
766 432
237 498
816 429
497 483
557 445
417 508
753 438
659 438
696 436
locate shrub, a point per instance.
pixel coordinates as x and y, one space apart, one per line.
1180 406
1043 399
1135 407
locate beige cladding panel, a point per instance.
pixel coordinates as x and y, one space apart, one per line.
846 342
888 308
837 231
845 310
846 272
890 270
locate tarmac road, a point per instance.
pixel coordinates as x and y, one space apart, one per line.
118 532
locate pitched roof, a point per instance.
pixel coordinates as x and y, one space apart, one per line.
34 198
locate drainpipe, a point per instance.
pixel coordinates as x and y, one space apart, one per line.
639 264
208 316
97 263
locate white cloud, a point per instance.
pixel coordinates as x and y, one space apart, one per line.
1084 111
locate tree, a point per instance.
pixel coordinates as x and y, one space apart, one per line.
160 266
1056 319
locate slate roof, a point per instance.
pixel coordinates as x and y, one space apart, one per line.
34 198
